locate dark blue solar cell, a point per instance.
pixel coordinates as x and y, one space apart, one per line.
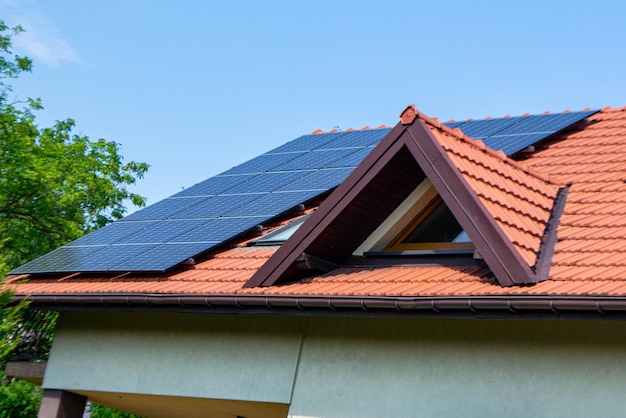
351 160
358 139
480 129
268 182
164 231
263 163
106 258
321 180
165 208
511 144
113 233
316 159
274 203
57 259
214 185
220 230
216 206
164 256
456 124
308 142
545 123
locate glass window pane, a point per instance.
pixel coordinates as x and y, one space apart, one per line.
439 226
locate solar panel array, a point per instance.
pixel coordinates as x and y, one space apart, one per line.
199 218
223 207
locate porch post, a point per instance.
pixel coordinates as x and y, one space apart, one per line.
61 404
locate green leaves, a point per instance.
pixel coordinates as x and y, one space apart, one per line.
10 65
10 319
18 399
99 411
55 185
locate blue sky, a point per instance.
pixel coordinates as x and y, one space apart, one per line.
196 87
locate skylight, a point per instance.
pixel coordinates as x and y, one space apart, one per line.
280 235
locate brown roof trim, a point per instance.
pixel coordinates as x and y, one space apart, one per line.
474 307
493 245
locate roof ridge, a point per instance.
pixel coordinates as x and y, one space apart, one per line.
335 130
458 133
507 116
613 109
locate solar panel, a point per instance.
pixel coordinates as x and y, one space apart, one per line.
479 129
320 180
219 230
112 233
263 163
165 208
511 144
268 182
456 124
217 206
214 185
106 258
358 139
164 231
316 159
55 260
308 142
273 204
549 123
351 160
164 256
223 207
532 129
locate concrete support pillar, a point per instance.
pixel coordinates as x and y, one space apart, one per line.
61 404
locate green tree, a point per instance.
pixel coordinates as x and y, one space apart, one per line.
55 186
18 399
99 411
10 318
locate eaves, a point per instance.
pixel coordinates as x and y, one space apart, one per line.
502 307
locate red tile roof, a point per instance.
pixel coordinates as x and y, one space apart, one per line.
592 233
589 260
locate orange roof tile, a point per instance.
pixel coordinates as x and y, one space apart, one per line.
592 231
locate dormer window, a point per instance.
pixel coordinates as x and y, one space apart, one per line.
422 224
434 228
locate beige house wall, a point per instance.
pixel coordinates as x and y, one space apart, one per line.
269 365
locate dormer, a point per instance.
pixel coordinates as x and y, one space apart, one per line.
421 175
